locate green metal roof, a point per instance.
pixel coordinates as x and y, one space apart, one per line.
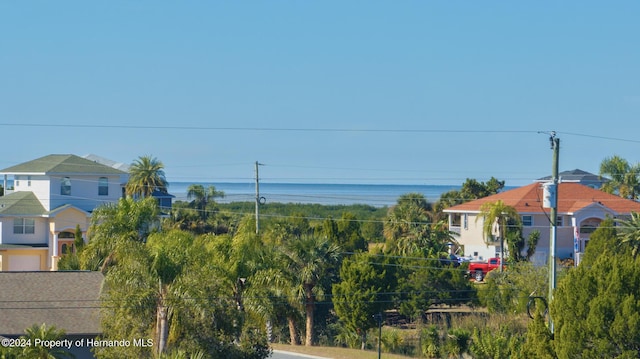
21 203
61 164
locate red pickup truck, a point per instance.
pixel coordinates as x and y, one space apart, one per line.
478 270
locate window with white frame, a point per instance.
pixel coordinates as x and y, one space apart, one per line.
65 186
24 226
103 186
527 220
16 181
28 181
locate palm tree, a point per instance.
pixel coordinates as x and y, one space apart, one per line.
629 232
407 223
169 258
156 279
497 213
275 281
43 332
625 178
146 176
415 227
127 220
202 197
307 261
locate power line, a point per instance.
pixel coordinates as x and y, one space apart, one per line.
598 137
265 129
311 129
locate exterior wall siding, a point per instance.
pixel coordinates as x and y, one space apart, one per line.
67 221
472 239
16 255
39 187
84 192
8 237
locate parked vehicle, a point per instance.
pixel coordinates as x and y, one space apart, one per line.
479 270
450 259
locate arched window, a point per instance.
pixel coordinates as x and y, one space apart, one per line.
65 248
103 186
65 186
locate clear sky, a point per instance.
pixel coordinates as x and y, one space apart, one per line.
407 92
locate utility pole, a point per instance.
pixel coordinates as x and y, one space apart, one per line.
257 199
378 318
553 198
503 233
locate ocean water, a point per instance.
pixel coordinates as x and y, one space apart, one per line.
377 195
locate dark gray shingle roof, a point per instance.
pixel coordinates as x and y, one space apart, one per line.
576 175
68 300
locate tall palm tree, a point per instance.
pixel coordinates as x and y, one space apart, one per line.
169 258
146 176
275 281
307 261
156 279
126 220
407 224
629 232
202 197
497 213
625 178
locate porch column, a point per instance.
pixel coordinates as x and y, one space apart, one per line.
576 241
54 252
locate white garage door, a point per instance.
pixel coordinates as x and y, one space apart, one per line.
24 263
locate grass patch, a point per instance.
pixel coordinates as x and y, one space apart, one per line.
335 353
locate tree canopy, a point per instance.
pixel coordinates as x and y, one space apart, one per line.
595 308
146 175
625 178
471 189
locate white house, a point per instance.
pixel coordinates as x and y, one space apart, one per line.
51 196
580 210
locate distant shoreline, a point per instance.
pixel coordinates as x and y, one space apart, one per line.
377 195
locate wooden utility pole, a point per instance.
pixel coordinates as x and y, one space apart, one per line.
257 199
555 146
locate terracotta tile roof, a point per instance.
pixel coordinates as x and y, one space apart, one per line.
572 197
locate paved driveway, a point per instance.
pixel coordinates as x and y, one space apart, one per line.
279 354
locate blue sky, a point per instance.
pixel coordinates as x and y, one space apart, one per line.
408 92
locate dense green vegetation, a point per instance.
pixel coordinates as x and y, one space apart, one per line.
201 282
29 349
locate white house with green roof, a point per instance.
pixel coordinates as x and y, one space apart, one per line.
51 196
